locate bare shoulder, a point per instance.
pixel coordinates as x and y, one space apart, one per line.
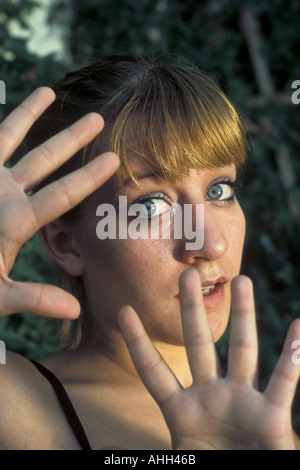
16 366
30 416
18 380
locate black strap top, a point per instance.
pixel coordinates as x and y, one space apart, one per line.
66 405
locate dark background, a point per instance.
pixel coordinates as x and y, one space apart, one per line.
253 49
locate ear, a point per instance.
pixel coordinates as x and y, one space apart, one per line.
59 241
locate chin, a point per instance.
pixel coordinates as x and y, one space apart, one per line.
218 335
218 324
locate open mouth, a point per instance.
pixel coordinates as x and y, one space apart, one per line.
208 289
213 293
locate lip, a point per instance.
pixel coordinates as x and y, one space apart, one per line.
216 297
210 282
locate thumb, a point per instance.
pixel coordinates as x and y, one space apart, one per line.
40 299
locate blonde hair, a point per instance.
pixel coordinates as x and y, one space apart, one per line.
172 115
182 122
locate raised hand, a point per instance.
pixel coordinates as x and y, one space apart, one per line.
218 412
22 215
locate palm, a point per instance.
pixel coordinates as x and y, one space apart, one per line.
232 416
22 216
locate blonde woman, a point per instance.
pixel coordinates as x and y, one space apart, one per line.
142 373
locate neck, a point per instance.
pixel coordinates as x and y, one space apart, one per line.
112 348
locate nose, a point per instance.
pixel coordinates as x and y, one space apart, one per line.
215 242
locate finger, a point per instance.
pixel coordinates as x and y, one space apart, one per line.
154 372
283 382
243 347
40 299
199 342
60 196
15 127
46 158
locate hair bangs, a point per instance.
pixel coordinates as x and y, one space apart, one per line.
178 123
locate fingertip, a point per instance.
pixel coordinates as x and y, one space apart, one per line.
125 315
113 158
188 274
294 331
241 283
55 302
296 325
106 165
75 310
65 306
122 314
190 288
130 324
46 92
242 296
95 119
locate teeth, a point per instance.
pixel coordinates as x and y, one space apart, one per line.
206 290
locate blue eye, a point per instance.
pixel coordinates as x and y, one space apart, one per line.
152 205
222 191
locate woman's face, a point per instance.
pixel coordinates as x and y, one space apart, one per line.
144 273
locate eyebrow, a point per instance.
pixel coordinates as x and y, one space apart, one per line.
142 175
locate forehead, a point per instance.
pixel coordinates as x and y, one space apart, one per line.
141 170
143 173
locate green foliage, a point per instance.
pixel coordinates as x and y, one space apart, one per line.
210 34
21 70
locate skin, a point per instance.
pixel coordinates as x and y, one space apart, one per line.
132 354
156 265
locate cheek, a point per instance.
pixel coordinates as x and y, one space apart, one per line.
236 236
133 269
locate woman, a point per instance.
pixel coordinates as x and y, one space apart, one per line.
153 305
